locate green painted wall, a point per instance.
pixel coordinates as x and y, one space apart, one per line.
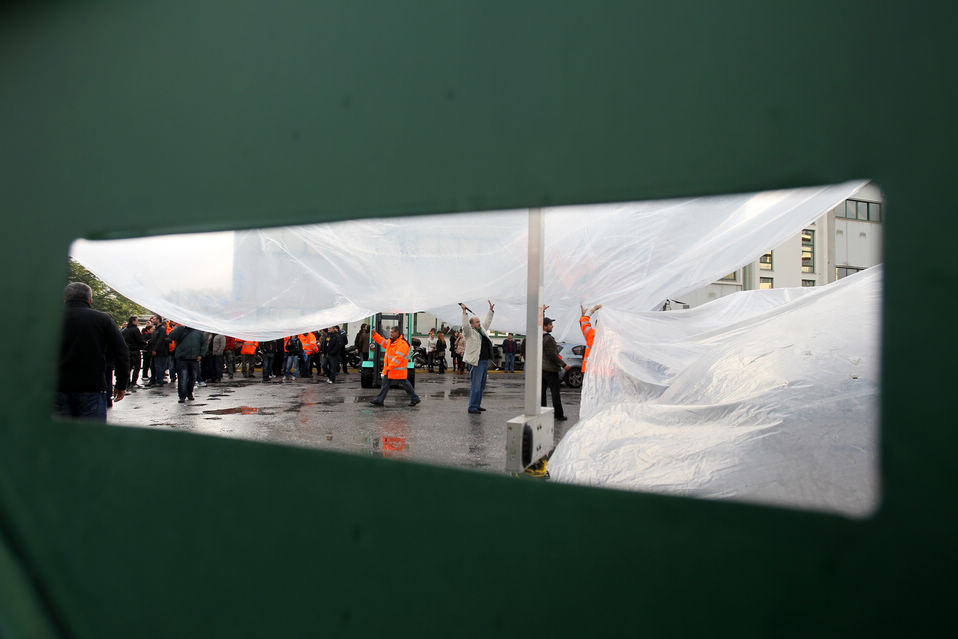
127 118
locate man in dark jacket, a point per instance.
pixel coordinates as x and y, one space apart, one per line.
190 344
160 351
362 342
335 343
135 342
551 365
90 344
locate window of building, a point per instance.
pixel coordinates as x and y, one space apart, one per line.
845 271
765 282
858 210
808 251
765 262
808 283
731 277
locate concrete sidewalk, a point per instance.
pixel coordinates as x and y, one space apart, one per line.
312 413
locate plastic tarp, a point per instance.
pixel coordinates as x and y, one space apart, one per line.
268 283
762 396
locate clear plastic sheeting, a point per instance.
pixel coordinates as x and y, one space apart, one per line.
762 396
269 283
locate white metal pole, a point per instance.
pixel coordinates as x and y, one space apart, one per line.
533 356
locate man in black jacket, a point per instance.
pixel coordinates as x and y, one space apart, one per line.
335 343
135 342
551 365
160 351
90 342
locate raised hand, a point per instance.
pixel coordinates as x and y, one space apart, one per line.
595 308
491 305
581 310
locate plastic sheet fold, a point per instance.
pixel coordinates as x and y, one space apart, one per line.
762 396
268 283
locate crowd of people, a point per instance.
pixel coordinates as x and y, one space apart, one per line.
167 352
94 352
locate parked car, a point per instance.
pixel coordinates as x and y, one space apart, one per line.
572 355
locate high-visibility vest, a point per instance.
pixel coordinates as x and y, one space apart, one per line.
248 348
589 334
309 343
397 356
169 329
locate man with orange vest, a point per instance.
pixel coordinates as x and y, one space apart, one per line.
587 332
396 366
248 354
310 348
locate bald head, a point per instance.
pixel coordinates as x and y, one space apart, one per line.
474 322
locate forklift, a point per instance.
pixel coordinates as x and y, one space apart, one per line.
371 372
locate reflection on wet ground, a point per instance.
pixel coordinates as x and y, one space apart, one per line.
339 417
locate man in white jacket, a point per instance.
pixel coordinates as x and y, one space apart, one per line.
477 355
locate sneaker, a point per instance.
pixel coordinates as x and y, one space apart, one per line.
415 401
481 409
181 400
561 418
376 403
201 384
329 381
190 397
475 412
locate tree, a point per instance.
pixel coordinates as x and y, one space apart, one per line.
105 298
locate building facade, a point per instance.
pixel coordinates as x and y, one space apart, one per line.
845 240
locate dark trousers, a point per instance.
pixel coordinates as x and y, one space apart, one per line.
343 362
333 368
267 365
186 376
441 361
147 364
160 363
381 397
217 367
550 380
82 405
134 366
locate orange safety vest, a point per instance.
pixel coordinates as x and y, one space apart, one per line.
169 329
397 356
309 343
248 348
589 334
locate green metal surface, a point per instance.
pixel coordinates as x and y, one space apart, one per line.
127 118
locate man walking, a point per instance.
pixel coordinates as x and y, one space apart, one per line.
551 365
477 353
509 350
135 342
90 344
396 366
187 354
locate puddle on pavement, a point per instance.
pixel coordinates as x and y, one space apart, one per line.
212 418
239 410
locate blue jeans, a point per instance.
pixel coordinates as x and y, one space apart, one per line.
160 362
477 385
81 405
510 362
334 368
186 373
267 365
381 397
292 366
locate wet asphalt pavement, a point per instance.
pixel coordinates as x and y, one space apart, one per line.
312 413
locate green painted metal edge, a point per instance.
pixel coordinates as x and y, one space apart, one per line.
125 118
